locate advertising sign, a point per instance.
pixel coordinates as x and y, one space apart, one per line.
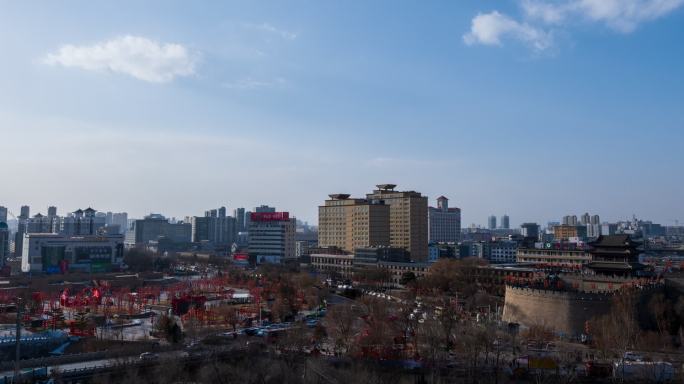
269 216
241 258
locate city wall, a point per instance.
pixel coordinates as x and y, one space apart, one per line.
561 311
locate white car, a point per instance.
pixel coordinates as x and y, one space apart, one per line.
147 356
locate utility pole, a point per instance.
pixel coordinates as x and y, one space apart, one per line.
17 350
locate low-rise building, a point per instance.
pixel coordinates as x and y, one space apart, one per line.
336 262
503 251
154 227
565 232
333 261
397 270
553 257
55 253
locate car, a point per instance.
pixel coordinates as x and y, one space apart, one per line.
229 334
148 356
312 323
251 331
633 356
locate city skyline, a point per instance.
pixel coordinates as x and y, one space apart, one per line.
526 108
482 223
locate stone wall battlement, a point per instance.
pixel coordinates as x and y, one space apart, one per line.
561 295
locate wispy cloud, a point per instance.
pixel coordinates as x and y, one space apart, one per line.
620 15
541 17
491 28
249 83
135 56
270 29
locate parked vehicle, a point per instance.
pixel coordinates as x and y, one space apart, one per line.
251 331
148 356
650 371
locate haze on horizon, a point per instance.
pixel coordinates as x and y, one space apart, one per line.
531 108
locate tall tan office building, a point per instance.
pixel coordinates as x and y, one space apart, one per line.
408 219
353 223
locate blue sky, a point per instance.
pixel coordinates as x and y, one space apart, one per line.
535 108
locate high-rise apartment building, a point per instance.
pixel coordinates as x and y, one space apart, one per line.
491 222
82 222
239 214
22 223
215 227
121 220
3 214
4 243
444 223
350 223
586 219
570 220
200 228
272 237
594 227
505 222
53 219
4 236
24 212
408 219
39 224
593 230
530 230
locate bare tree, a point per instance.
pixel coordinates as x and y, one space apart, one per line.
343 324
618 331
660 308
230 316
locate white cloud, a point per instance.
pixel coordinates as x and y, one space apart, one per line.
620 15
270 29
139 57
491 28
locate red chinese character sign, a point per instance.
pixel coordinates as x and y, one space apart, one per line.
269 216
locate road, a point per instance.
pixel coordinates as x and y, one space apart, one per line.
95 363
338 299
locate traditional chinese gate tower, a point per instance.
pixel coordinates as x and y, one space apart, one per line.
616 255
